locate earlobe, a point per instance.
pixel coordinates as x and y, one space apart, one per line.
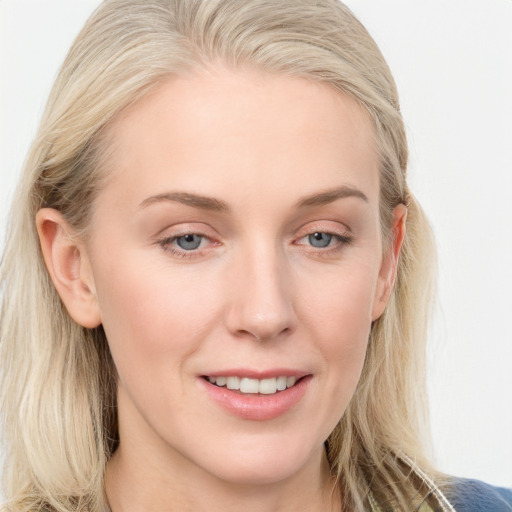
389 266
68 265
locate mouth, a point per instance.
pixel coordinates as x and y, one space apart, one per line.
249 386
257 395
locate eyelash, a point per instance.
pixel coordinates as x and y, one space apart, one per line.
167 245
340 240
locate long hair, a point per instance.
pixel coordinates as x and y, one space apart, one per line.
58 390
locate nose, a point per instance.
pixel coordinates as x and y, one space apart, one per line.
260 297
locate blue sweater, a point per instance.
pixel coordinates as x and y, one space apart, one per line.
475 496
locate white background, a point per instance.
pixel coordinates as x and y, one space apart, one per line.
452 60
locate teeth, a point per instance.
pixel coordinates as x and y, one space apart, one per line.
268 386
290 381
253 386
281 383
249 385
233 383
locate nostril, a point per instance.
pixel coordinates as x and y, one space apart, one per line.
264 334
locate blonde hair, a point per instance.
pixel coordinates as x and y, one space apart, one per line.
58 381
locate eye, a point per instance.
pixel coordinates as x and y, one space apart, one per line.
320 239
189 242
186 245
324 242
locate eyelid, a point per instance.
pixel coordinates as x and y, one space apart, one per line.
175 238
324 226
167 237
342 234
187 227
345 238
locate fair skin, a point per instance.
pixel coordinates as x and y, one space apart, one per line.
238 235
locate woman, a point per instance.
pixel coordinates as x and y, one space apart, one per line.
228 302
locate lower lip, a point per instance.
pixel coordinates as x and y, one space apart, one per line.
256 406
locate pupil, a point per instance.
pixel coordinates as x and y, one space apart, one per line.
320 239
189 242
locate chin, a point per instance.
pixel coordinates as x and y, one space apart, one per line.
264 465
256 475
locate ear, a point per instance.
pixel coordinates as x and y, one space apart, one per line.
68 266
389 266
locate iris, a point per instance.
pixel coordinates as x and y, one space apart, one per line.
320 239
189 242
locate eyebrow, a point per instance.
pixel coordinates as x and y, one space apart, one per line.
216 205
194 200
331 195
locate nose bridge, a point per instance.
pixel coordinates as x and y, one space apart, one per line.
261 303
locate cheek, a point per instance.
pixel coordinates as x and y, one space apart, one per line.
342 302
338 317
151 318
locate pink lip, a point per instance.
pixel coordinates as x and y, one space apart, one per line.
258 374
254 406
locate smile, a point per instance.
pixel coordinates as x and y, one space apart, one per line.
247 385
259 399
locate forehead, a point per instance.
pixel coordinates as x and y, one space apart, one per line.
222 130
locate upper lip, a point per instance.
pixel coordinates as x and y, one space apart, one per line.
257 374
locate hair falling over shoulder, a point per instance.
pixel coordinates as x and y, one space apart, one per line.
58 392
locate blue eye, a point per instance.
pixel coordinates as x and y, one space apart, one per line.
320 239
189 242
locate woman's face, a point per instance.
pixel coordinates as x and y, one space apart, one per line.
238 241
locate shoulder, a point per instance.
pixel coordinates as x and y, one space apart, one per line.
475 496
